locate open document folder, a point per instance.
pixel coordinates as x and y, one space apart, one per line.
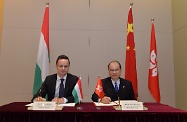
102 104
66 104
113 103
47 106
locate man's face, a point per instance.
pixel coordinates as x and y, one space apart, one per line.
62 67
114 71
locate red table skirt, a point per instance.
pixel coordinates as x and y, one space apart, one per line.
17 112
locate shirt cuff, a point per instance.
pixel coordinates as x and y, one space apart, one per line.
65 100
99 100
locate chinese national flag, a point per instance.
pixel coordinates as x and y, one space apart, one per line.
130 64
153 80
99 88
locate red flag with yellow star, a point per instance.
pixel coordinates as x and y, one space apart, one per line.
130 64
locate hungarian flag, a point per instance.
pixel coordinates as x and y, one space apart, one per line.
130 64
153 80
42 64
99 88
77 92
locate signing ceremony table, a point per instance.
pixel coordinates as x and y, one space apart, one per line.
17 112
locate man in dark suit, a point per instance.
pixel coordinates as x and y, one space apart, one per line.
58 87
115 86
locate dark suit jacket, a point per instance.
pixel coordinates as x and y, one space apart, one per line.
125 90
49 85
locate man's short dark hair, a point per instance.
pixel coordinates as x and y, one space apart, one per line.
62 57
114 62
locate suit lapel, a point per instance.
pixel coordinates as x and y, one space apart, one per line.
121 85
67 85
53 85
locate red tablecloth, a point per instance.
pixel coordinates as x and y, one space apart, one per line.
17 112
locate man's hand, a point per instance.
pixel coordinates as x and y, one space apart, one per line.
39 99
58 100
106 100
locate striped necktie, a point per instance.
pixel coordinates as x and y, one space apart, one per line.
116 86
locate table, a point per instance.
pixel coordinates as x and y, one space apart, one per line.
17 112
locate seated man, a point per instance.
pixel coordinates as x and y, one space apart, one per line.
115 86
58 87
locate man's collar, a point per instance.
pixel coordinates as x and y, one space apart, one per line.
58 77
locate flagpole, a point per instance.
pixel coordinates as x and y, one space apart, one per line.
153 79
136 95
130 61
79 102
99 100
43 58
80 79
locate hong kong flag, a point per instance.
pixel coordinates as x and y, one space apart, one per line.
153 79
99 88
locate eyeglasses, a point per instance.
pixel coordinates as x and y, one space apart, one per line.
114 70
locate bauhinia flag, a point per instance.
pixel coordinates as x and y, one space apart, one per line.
77 92
130 64
153 80
99 88
42 64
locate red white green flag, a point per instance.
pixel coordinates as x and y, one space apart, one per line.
43 58
77 92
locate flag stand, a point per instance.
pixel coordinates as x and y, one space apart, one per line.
79 107
97 107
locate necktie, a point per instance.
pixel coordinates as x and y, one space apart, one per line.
116 86
61 90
